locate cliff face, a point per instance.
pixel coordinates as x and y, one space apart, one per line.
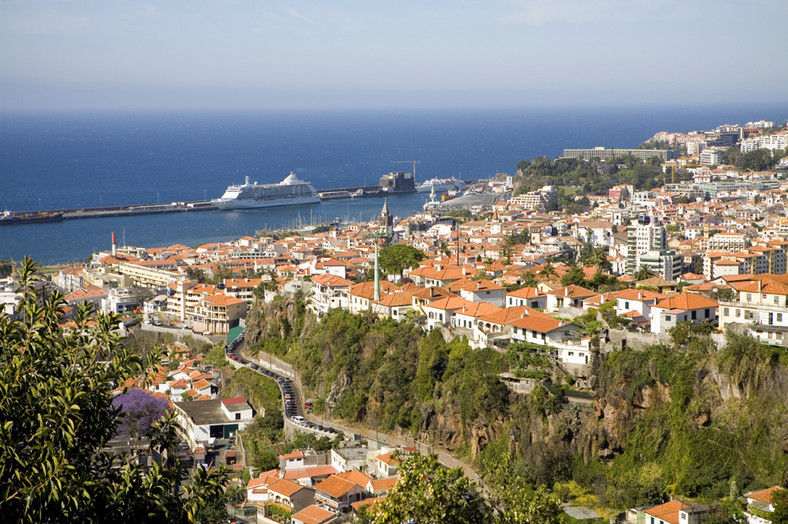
692 417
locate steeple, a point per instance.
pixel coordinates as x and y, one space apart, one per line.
385 219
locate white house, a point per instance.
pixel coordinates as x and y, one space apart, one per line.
761 501
692 307
204 420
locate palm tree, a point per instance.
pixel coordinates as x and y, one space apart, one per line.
599 260
529 280
548 271
644 273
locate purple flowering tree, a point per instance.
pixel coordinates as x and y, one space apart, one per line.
139 411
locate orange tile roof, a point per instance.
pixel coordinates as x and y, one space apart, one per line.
396 299
223 300
335 486
508 314
388 458
687 301
383 484
355 476
284 487
297 454
669 511
314 515
573 291
330 280
639 294
536 323
764 495
467 284
449 303
478 309
525 292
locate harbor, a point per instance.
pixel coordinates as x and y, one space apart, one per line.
57 215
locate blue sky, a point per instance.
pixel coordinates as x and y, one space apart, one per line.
230 54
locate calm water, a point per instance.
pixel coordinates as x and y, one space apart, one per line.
61 161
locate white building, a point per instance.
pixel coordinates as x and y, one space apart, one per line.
204 420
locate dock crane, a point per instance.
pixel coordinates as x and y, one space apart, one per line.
414 162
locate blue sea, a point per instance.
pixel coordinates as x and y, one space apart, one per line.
53 161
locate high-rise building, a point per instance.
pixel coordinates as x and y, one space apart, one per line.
643 235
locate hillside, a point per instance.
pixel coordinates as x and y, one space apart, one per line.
683 420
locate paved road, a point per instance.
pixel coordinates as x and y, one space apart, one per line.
265 360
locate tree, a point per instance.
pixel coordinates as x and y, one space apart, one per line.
139 411
5 268
599 260
780 502
57 416
429 494
548 270
397 258
574 276
644 273
514 499
529 280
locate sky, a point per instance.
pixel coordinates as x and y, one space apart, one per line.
250 54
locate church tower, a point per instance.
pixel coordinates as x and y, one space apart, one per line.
385 219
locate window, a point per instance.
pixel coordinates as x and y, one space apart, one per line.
667 318
237 416
726 311
779 317
776 299
694 315
626 305
738 313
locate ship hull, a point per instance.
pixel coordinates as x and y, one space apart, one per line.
252 203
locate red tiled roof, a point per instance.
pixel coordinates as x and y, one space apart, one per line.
314 515
669 511
687 301
335 486
764 495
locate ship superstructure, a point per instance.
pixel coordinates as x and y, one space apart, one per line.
289 192
441 185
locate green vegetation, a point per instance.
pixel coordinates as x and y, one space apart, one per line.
261 391
216 357
399 257
690 442
429 493
57 416
683 419
529 360
264 439
758 160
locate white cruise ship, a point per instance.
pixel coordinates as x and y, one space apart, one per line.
441 185
289 192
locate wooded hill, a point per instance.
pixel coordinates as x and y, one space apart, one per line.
683 420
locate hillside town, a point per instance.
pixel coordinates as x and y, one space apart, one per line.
706 252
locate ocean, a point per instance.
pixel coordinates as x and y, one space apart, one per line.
53 161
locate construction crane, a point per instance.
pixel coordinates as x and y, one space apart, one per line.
414 162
